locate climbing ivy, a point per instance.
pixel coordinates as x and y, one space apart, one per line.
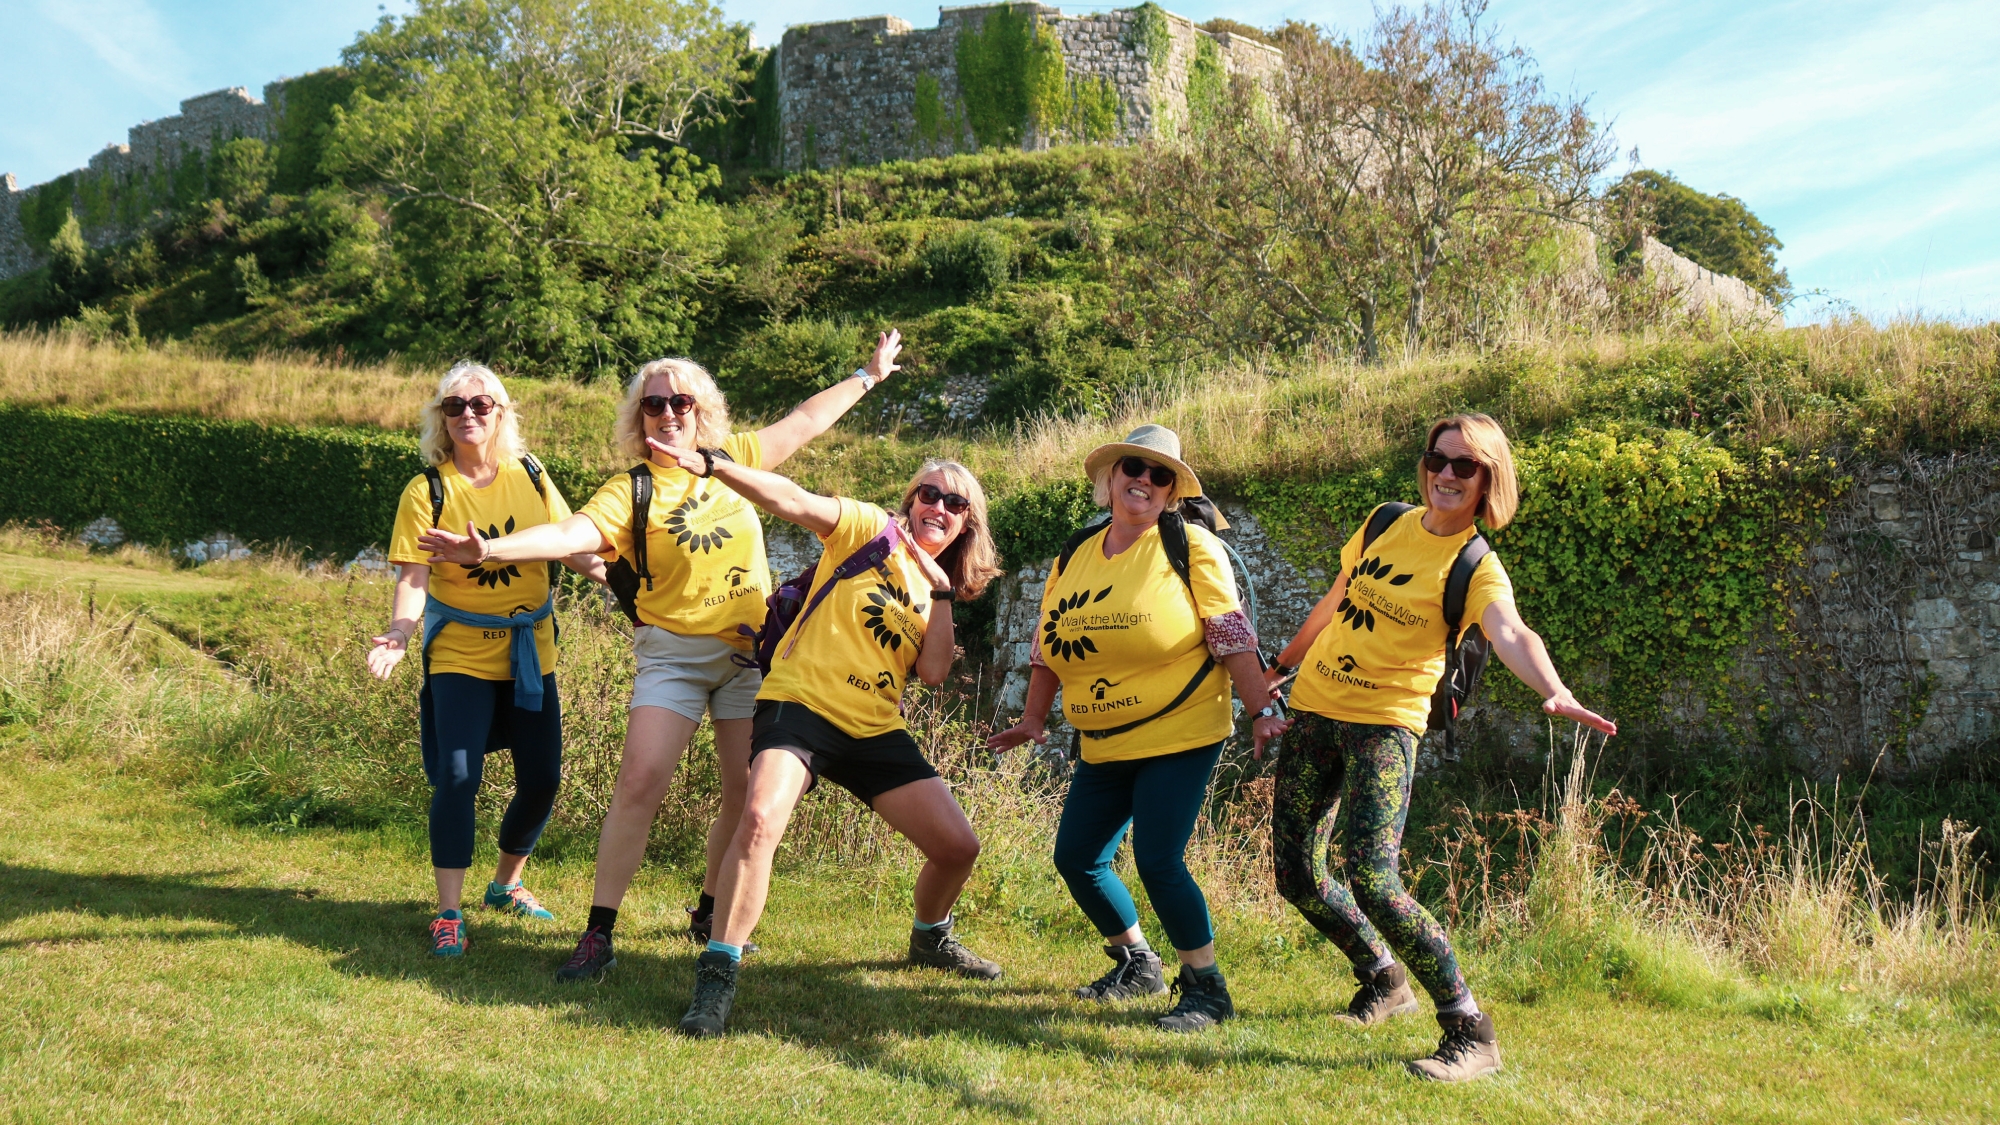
928 108
1643 562
1206 83
1151 33
997 68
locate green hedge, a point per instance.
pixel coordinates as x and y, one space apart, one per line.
167 480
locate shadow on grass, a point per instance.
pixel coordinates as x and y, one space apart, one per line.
864 1012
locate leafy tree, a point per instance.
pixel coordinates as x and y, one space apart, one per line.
1716 231
541 213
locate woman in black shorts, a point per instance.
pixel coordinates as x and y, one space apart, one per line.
879 608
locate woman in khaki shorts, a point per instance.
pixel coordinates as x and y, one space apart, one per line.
704 554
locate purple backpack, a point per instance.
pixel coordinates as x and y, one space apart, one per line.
787 604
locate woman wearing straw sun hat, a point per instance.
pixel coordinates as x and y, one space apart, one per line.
1142 631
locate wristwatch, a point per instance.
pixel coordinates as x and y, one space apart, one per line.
1269 712
944 595
867 381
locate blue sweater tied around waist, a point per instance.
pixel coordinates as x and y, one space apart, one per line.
523 658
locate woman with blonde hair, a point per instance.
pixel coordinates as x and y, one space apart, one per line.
1369 658
1142 632
488 635
691 574
878 608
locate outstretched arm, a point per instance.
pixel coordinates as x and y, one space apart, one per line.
1524 654
815 415
1034 724
769 491
406 614
573 536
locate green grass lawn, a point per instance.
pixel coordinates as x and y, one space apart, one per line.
161 966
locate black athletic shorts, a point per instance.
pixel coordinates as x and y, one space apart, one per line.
865 767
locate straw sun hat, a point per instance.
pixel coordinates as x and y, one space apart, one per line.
1154 443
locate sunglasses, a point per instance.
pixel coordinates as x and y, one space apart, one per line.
656 405
1464 468
1136 468
454 406
954 503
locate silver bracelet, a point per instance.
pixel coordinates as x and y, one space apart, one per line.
867 380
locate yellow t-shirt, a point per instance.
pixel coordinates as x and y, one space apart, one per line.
704 547
1379 660
1125 637
857 648
507 505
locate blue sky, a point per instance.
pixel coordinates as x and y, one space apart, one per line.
1867 133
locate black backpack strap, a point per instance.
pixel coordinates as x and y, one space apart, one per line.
534 471
1380 519
1077 539
1174 541
436 480
642 511
1207 665
1458 583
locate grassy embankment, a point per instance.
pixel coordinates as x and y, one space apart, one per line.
216 887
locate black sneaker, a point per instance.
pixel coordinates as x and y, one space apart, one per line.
714 992
701 928
939 948
1137 972
1204 1003
593 955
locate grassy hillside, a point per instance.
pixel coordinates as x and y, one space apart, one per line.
245 909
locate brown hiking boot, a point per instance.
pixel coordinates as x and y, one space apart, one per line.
1381 995
1469 1050
939 948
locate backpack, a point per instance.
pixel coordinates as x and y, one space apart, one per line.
625 574
1465 650
435 480
787 605
1174 541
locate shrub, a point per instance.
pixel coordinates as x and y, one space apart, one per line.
969 262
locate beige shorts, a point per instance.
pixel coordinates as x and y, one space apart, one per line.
692 676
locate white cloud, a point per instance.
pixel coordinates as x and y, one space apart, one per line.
128 37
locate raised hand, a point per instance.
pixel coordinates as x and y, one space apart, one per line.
466 550
1016 735
883 362
686 458
1564 705
933 573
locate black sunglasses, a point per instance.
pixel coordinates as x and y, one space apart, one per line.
1137 467
454 406
954 503
656 405
1464 468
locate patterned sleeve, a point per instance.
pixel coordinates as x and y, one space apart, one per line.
1229 633
1035 656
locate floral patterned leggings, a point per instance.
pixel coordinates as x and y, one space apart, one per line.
1368 770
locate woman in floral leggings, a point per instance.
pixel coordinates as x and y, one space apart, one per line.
1368 659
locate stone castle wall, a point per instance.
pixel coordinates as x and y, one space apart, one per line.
152 150
848 88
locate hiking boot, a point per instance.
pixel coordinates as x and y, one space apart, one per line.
701 927
1469 1050
939 948
593 955
1137 972
714 992
1382 995
448 934
514 899
1204 1003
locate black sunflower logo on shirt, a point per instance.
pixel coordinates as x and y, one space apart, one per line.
697 542
1359 617
1052 638
495 575
875 614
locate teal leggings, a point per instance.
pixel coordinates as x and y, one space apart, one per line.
1159 799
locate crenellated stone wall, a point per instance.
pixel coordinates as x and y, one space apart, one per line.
848 88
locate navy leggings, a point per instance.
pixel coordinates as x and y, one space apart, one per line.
464 718
1159 798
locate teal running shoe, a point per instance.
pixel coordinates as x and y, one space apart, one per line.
448 935
515 899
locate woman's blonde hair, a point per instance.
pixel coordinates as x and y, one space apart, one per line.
969 561
711 411
1502 497
1100 487
436 440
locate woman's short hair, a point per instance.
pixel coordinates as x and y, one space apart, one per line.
711 410
436 442
970 561
1502 495
1100 487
